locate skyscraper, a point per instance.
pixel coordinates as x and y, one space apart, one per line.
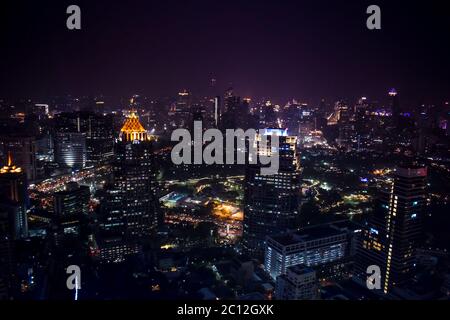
217 111
14 198
393 233
235 111
23 149
129 211
272 202
395 106
70 207
70 150
97 130
99 137
72 201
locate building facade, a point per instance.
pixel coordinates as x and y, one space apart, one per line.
130 208
393 233
271 202
315 246
299 283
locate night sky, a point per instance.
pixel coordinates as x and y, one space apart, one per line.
266 48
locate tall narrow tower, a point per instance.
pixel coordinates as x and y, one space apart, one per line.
395 106
271 202
393 233
129 215
14 198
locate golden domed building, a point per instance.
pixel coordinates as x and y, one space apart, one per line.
132 129
14 198
129 214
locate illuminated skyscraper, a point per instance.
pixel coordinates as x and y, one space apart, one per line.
70 150
217 111
71 208
129 214
14 198
72 201
97 130
393 233
272 202
13 222
23 149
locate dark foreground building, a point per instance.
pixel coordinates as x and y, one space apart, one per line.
393 233
129 211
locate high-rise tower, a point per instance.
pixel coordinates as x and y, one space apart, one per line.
393 233
14 198
272 202
129 214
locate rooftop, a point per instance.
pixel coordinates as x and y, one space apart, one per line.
10 167
307 234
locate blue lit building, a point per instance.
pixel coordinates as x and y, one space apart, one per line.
311 247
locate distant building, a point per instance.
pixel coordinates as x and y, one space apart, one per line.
235 111
97 129
180 111
299 283
217 111
70 150
395 107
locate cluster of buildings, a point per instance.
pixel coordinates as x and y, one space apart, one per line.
109 211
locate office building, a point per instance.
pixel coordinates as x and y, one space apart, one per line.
313 246
70 150
74 200
394 231
130 208
271 202
299 283
23 150
71 208
14 198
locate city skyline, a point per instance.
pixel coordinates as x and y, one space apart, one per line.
226 151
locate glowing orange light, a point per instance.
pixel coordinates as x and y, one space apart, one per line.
132 129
